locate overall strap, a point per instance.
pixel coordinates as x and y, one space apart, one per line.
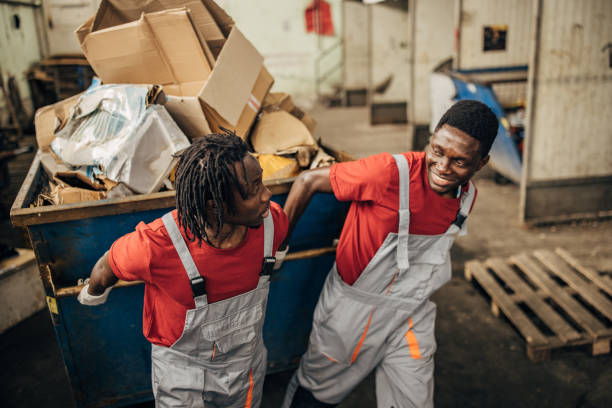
467 199
198 285
269 260
404 212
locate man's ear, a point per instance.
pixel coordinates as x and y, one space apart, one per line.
483 162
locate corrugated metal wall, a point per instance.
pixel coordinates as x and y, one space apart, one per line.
476 14
569 145
572 136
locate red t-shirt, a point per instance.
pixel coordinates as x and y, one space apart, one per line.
148 254
372 184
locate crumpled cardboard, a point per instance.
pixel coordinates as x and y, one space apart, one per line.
282 101
277 167
281 133
51 118
79 177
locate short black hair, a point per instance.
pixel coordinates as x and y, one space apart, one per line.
474 118
205 172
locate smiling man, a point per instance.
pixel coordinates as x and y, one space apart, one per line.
374 311
206 269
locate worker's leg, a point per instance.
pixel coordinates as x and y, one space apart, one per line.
342 351
297 396
176 385
405 376
256 379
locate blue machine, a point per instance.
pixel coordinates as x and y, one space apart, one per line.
106 356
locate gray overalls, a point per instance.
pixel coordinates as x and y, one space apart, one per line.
220 358
385 320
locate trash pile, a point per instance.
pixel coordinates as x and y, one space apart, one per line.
167 72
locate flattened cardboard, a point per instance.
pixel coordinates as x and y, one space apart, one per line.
55 169
70 195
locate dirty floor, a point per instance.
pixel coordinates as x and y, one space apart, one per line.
481 359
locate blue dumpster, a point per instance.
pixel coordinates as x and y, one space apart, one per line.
107 358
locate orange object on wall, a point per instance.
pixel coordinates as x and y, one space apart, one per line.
319 18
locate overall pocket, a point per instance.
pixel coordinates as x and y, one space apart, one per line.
340 328
427 271
235 336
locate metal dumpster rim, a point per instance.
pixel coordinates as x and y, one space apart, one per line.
24 216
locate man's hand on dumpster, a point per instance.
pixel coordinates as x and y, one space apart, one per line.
97 286
280 257
86 297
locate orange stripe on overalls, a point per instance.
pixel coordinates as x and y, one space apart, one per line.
249 398
413 343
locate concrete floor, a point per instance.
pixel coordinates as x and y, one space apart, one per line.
480 360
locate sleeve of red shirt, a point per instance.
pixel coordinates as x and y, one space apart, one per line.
130 255
366 179
281 224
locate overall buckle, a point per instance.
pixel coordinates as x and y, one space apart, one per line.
268 265
198 286
459 219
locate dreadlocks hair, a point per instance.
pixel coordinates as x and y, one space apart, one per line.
206 172
474 118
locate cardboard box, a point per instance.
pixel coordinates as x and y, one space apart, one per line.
196 97
249 112
115 12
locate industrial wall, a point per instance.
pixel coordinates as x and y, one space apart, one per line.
377 38
569 138
19 48
61 18
356 37
390 52
515 15
277 29
433 43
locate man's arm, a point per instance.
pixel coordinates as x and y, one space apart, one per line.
102 276
302 190
100 283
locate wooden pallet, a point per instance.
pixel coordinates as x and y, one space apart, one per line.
549 289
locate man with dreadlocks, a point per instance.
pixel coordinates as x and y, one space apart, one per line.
374 313
206 269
